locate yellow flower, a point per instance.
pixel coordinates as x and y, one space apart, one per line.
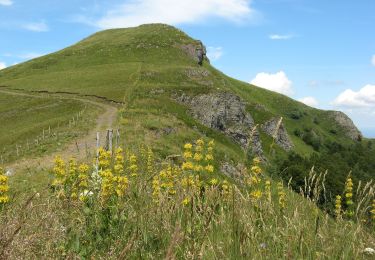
200 142
209 157
186 201
4 187
209 168
281 194
188 146
338 207
187 166
198 157
214 182
188 155
256 194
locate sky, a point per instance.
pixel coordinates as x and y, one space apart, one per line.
319 52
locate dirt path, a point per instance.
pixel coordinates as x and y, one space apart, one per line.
80 148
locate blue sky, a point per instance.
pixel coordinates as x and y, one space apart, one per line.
318 51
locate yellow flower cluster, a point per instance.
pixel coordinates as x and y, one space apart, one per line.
59 172
121 181
349 197
338 207
165 183
255 180
133 167
4 187
282 195
199 158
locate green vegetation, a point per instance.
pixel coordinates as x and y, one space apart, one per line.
33 125
143 70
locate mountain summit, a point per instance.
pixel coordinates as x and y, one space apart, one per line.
160 62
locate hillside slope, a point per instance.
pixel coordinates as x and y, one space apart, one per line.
157 61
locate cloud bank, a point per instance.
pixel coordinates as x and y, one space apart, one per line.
363 98
277 82
2 65
310 101
6 2
174 12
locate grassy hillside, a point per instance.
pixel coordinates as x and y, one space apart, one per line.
33 125
143 70
131 65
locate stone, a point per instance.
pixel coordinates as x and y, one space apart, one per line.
276 129
226 113
350 130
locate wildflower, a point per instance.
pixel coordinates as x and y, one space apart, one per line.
119 162
198 157
281 194
83 175
104 158
369 251
59 172
188 155
256 194
188 146
187 166
214 182
199 142
209 168
150 162
133 165
122 185
85 194
185 201
209 157
349 197
338 207
4 187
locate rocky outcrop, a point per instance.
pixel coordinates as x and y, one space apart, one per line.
276 129
346 124
226 113
196 50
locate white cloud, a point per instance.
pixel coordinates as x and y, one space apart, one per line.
174 12
363 98
373 60
36 27
277 82
214 53
280 36
310 101
6 2
2 65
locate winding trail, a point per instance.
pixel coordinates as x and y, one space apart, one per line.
79 148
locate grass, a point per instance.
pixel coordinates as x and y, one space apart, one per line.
214 224
25 118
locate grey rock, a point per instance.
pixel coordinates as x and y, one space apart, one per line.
276 129
196 50
350 130
226 113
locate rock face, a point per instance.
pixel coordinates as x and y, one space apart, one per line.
347 125
197 51
276 129
226 113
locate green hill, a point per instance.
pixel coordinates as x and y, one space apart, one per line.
146 81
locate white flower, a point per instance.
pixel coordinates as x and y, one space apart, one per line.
369 251
86 193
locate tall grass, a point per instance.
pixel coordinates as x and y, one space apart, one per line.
179 209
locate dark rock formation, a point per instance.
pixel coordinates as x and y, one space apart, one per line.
197 51
276 129
346 124
226 113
